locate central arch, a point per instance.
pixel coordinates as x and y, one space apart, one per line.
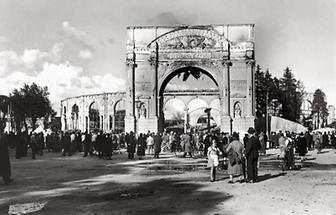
178 70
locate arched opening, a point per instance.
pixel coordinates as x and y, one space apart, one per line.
119 116
182 85
74 116
94 117
174 113
237 110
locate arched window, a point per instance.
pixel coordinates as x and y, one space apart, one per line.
119 116
74 116
94 116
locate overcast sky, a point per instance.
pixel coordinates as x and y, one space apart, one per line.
78 46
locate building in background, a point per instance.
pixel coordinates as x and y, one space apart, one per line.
306 110
331 114
104 111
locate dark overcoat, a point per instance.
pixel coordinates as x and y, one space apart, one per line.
157 143
5 170
301 145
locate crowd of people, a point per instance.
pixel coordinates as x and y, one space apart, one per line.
240 157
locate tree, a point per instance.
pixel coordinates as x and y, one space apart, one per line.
291 95
261 90
4 102
267 91
31 102
319 106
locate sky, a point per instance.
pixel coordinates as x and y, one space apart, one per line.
77 47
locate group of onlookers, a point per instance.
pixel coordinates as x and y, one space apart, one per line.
313 140
241 157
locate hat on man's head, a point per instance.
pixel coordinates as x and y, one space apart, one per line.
251 130
235 136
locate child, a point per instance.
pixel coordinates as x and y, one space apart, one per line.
213 153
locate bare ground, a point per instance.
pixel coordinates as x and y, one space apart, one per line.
169 185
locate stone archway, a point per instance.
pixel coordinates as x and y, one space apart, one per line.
155 54
164 81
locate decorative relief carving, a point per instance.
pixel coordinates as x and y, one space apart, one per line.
190 42
242 46
191 38
186 55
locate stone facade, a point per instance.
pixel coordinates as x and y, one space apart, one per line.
223 52
107 112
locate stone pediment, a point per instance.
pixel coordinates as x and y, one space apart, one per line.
188 39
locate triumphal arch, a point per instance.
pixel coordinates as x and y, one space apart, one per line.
225 53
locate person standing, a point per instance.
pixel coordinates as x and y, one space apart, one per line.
5 168
86 141
235 153
262 141
213 159
290 152
302 147
33 145
165 142
131 144
207 144
283 150
141 143
66 144
157 145
186 146
150 143
325 140
251 152
72 143
333 140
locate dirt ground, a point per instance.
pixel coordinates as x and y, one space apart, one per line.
169 185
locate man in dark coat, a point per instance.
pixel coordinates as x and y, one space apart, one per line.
251 152
157 145
131 144
325 140
33 145
86 140
66 144
309 140
5 169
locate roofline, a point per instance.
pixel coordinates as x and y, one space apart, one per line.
184 26
95 94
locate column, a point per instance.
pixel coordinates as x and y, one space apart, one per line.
186 119
250 88
226 124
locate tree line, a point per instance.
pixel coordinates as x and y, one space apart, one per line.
284 96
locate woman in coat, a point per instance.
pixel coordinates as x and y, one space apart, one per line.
141 143
5 168
302 146
235 153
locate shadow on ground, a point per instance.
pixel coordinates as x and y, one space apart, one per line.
269 176
317 166
163 196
